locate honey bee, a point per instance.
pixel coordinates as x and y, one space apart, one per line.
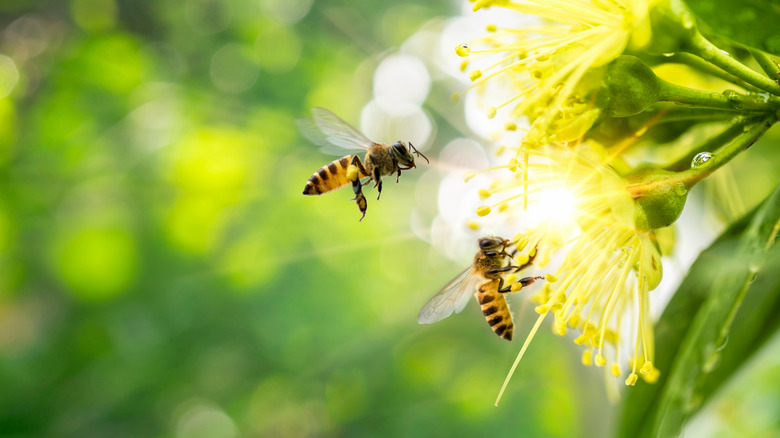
380 160
485 279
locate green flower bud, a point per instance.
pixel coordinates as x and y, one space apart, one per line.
660 200
632 86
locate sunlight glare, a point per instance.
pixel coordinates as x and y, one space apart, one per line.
557 204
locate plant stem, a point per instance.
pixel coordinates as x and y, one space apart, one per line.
693 175
729 100
701 47
767 64
685 114
701 65
713 143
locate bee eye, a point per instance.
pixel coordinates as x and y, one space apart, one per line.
398 146
485 243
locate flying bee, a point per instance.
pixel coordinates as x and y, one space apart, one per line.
484 278
380 160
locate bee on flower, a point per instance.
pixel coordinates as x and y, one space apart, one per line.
608 264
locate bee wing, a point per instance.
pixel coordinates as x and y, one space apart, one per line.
327 129
452 298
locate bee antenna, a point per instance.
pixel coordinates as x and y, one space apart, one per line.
419 154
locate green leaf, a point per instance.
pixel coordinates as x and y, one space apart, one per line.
693 332
752 23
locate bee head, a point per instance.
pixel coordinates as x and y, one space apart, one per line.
491 244
403 154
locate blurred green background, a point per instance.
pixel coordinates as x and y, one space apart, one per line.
161 273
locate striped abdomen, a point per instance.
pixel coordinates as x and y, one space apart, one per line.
495 309
329 177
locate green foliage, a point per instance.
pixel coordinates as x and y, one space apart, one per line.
161 273
752 24
699 321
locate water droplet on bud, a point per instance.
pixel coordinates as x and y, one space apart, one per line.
700 159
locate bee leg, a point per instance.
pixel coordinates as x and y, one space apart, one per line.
362 205
523 281
359 198
398 176
530 260
377 177
504 269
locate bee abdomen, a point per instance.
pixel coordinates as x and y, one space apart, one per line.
495 309
329 177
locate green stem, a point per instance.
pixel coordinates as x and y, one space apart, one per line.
703 66
684 114
767 64
728 100
701 47
693 175
713 143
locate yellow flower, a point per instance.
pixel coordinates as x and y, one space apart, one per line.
609 266
553 69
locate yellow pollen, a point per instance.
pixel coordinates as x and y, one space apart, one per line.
512 165
532 252
516 287
455 97
463 50
510 126
652 376
468 175
552 279
484 193
631 380
473 225
614 370
574 321
464 65
522 259
503 206
511 279
352 173
600 361
491 112
559 327
561 297
500 150
483 210
476 74
580 340
587 357
491 28
541 309
646 367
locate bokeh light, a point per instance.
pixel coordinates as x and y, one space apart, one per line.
161 273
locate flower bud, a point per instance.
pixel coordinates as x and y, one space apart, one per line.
632 86
660 199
